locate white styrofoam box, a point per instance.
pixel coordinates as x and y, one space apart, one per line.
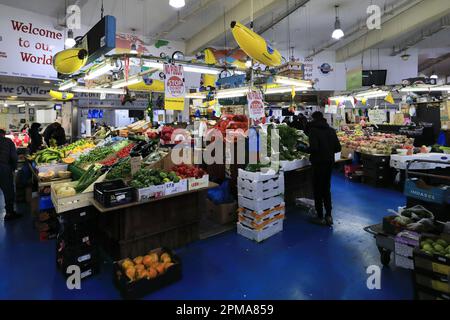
260 194
404 262
261 235
173 188
404 250
195 184
52 167
258 176
150 193
294 164
277 182
261 215
260 205
259 224
401 162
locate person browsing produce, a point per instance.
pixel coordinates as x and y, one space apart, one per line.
324 143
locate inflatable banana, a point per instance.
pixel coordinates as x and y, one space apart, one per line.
70 61
255 46
209 80
156 86
61 96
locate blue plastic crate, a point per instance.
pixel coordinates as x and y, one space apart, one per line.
439 195
45 203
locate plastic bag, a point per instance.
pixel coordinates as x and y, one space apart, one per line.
221 194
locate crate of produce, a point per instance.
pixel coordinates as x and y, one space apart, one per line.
64 203
277 182
78 216
223 213
423 293
259 224
294 164
406 242
201 183
260 235
175 187
152 192
432 281
390 226
417 189
433 255
401 162
258 176
52 167
260 205
138 277
113 193
260 194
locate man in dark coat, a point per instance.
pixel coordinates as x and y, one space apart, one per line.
323 146
8 164
36 138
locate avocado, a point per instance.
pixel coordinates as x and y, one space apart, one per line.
442 243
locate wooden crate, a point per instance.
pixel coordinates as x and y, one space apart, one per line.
63 204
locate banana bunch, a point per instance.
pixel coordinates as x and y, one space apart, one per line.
48 155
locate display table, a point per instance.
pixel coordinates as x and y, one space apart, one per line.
133 229
298 184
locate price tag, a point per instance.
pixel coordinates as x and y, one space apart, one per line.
135 163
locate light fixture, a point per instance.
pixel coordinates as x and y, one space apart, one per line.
5 104
292 82
22 105
70 41
98 90
337 33
99 70
426 89
67 85
46 81
372 94
186 68
13 97
248 63
433 75
124 83
154 65
405 56
32 105
177 4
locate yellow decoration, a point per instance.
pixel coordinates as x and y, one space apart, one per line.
364 101
209 80
176 104
389 98
61 96
70 61
156 86
255 46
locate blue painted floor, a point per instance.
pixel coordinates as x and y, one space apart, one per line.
303 262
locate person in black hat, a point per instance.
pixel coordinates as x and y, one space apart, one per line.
324 143
8 164
36 138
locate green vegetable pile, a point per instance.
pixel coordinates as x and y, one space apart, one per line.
290 139
89 177
122 170
256 167
145 178
436 247
95 155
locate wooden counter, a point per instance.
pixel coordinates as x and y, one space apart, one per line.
133 229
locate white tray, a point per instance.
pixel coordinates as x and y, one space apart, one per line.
401 162
262 235
259 205
258 176
294 165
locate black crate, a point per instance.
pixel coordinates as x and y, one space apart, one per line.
76 255
140 288
78 235
377 182
430 280
437 264
113 193
422 293
390 228
88 269
375 160
78 216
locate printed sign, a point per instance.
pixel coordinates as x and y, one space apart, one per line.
29 91
174 81
28 42
255 105
135 163
377 116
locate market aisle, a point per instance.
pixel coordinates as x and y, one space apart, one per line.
303 262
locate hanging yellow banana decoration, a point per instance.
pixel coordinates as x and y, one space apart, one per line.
255 46
61 96
209 80
70 61
155 86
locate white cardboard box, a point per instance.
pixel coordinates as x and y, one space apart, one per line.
260 205
261 235
150 193
173 188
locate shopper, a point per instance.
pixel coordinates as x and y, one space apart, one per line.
36 138
323 146
8 164
55 134
25 128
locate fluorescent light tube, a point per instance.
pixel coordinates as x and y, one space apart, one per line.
124 83
67 85
98 90
99 70
292 82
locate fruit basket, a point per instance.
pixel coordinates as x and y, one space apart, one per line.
135 282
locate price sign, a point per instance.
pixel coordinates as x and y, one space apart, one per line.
135 163
255 105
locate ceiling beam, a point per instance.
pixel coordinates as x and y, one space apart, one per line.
241 12
429 63
423 13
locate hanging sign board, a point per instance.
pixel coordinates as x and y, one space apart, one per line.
255 105
175 87
377 116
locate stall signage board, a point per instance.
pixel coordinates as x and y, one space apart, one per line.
175 87
377 116
255 105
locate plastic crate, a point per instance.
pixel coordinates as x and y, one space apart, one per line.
417 189
113 193
78 216
432 281
437 264
260 235
140 288
423 293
